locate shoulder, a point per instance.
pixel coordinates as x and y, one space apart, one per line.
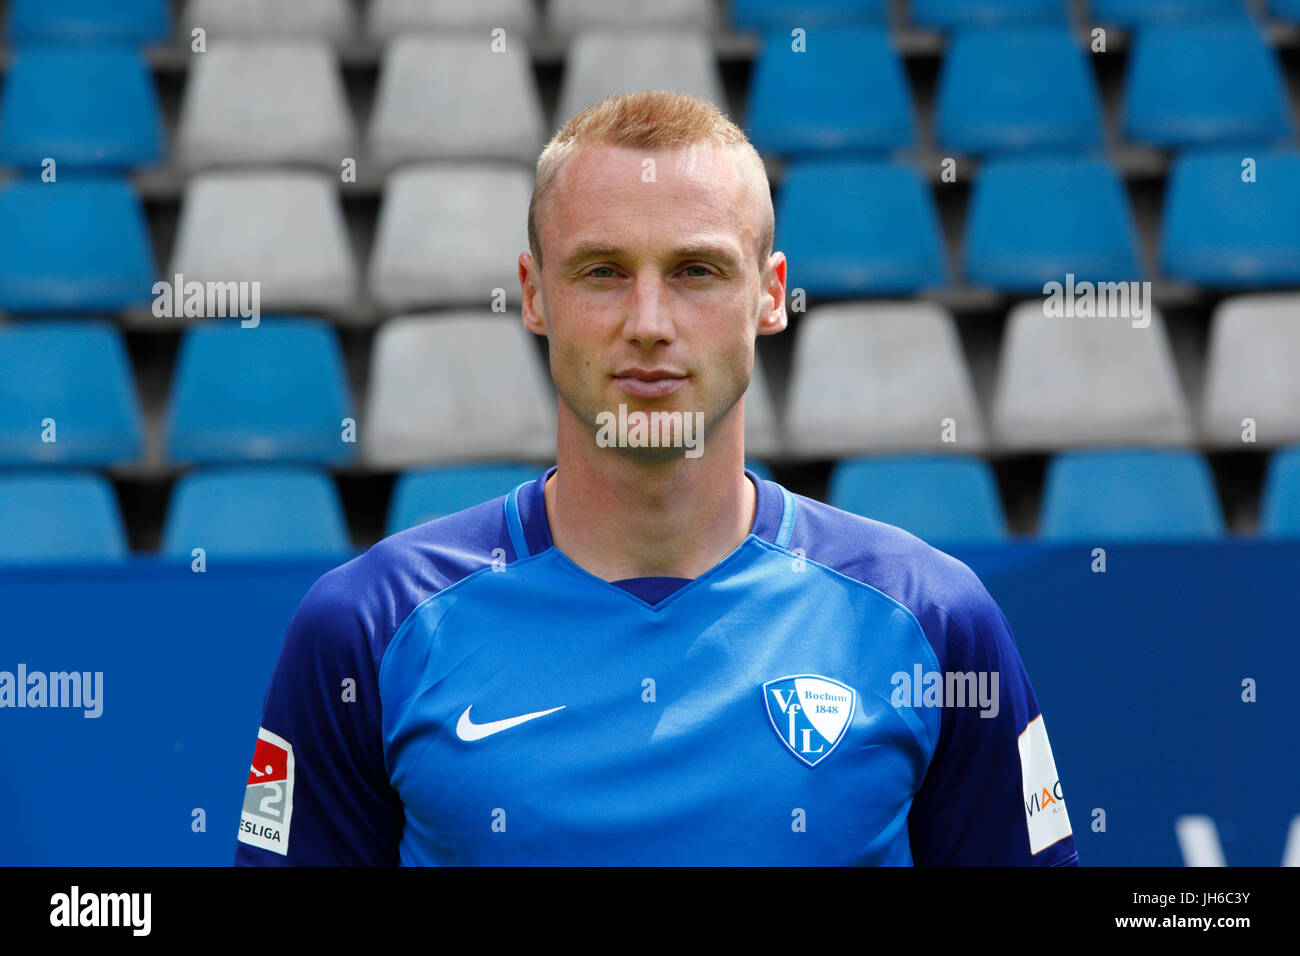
945 596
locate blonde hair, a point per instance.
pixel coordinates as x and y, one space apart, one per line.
651 119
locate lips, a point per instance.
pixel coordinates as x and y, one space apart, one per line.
649 382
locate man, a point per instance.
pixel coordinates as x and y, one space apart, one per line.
648 655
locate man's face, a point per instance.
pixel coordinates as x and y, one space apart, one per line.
650 293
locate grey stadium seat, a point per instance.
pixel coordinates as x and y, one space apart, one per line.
453 97
1254 370
877 377
1064 382
331 19
275 101
450 234
762 430
284 229
602 63
565 16
388 18
457 387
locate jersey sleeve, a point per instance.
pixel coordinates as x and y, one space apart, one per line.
318 791
991 796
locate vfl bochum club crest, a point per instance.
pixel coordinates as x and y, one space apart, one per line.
809 714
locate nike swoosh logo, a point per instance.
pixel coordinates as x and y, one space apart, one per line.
466 729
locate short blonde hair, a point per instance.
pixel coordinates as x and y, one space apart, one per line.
651 119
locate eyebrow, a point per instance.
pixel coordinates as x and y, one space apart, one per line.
702 250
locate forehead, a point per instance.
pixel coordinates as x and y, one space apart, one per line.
661 190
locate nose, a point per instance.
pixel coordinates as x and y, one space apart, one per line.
649 320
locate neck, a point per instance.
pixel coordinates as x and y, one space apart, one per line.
617 516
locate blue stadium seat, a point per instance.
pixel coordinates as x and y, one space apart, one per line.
1042 95
1031 221
423 494
760 468
1285 9
812 101
59 516
91 109
1130 494
1279 508
853 228
277 391
255 511
1220 231
1133 13
953 14
765 15
73 246
935 498
1172 101
89 21
78 374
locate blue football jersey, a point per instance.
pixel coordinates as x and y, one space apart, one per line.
835 691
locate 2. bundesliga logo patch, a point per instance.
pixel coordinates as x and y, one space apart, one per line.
809 714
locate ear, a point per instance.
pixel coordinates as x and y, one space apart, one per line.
534 309
772 318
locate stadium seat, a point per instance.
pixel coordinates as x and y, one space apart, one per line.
57 516
390 18
1220 231
73 246
1086 381
274 392
1032 221
810 101
853 228
89 109
1172 103
424 494
956 14
453 97
457 387
1253 371
284 229
255 511
762 429
261 19
602 63
1279 508
567 16
1135 13
1043 94
266 101
766 15
450 234
76 373
869 377
761 469
1129 494
945 499
33 22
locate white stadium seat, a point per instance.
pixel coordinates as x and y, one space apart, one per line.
1254 370
762 429
1065 382
388 18
457 387
566 16
879 377
453 97
329 19
283 229
450 234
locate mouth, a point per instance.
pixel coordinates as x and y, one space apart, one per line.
650 382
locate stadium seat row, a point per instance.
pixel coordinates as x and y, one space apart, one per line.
849 229
465 386
150 21
286 510
458 97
